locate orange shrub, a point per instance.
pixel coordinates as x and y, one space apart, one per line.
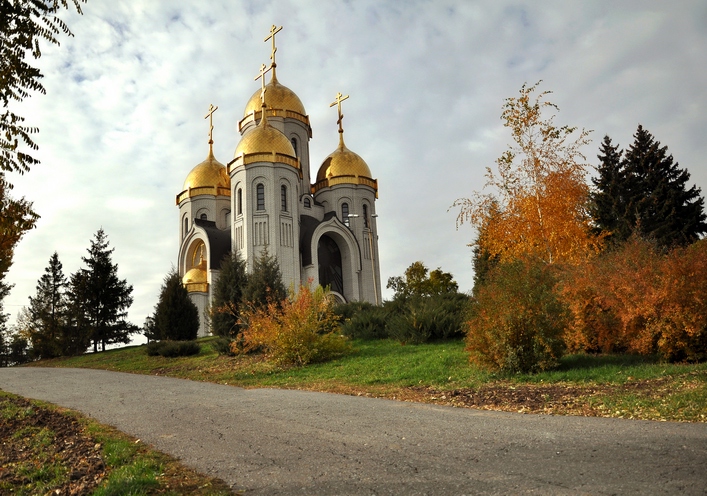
301 329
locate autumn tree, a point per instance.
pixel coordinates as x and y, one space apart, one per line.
100 299
540 203
644 192
418 280
24 24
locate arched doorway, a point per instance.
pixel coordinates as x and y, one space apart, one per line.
330 268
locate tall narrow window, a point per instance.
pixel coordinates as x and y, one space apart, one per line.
260 197
186 226
365 215
239 201
345 214
283 197
307 203
294 145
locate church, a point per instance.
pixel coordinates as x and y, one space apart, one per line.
322 233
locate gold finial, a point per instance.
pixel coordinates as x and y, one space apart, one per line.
210 115
337 102
273 31
261 76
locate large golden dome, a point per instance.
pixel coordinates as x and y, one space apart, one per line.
209 173
277 97
264 139
195 275
343 163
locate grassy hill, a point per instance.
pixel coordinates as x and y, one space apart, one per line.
625 386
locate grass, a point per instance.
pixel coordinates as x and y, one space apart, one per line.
35 459
387 368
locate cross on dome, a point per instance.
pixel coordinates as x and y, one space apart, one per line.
210 115
273 31
337 102
261 76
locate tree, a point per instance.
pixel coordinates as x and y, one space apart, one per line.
646 194
47 311
100 299
176 317
24 24
417 282
540 207
228 296
265 283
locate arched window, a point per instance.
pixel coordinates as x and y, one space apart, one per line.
239 201
203 217
294 145
345 214
260 197
307 203
186 226
365 215
283 197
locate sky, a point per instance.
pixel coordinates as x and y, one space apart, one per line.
122 122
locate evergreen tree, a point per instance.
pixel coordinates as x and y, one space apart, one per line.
176 317
102 299
647 195
228 296
47 311
608 200
265 283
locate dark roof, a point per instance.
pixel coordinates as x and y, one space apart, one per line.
219 242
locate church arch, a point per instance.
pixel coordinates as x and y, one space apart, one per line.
330 269
349 252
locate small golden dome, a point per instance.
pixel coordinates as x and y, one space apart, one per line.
277 97
210 173
195 275
343 163
264 139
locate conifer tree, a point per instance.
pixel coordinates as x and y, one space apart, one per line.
102 299
265 283
228 296
176 317
47 311
646 194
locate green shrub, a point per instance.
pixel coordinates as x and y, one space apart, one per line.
362 320
171 349
222 346
426 318
517 321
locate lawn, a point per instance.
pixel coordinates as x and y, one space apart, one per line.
626 386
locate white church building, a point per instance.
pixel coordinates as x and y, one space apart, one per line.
322 233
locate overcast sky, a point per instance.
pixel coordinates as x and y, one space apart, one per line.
122 123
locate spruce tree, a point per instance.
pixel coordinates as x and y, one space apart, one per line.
608 199
646 193
47 311
176 317
102 299
228 296
265 283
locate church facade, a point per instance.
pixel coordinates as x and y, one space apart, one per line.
322 232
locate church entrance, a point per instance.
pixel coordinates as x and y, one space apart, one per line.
330 269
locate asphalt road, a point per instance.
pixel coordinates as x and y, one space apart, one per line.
269 441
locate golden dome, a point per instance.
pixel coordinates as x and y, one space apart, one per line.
195 275
210 173
343 163
277 97
264 139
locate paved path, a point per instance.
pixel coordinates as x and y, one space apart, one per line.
292 442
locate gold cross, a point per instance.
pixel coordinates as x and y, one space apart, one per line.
261 76
210 116
273 31
337 102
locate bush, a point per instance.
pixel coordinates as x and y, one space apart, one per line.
171 349
640 299
301 329
517 321
362 320
222 346
421 319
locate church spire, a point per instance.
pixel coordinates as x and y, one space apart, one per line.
273 31
210 115
340 98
